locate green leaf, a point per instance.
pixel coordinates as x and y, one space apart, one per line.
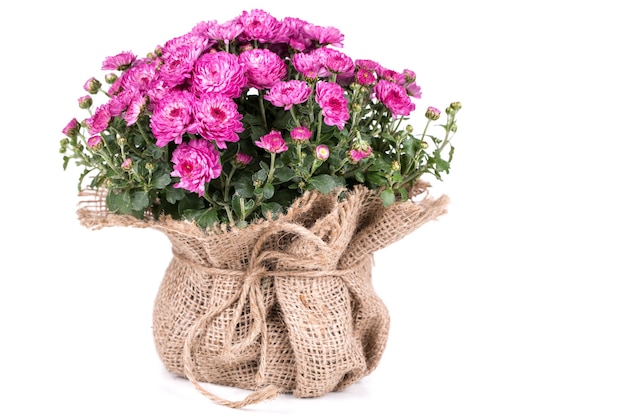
270 210
261 175
161 181
139 201
324 183
284 174
376 179
244 188
203 218
172 195
388 197
119 202
268 191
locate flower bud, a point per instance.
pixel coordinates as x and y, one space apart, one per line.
424 144
456 106
409 128
432 113
72 129
85 102
242 160
150 166
395 166
453 127
95 142
127 165
121 141
110 78
65 142
356 107
92 86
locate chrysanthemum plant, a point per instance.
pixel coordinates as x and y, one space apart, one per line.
232 121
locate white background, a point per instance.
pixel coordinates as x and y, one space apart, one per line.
513 304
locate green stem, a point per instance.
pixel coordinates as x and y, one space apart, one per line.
227 184
262 108
293 115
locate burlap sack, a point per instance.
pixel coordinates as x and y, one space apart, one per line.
279 306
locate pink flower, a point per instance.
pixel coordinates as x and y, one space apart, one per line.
92 86
134 109
226 32
178 58
432 113
356 155
322 152
394 97
218 72
71 129
287 93
309 65
216 118
264 68
273 142
259 25
300 134
171 117
139 77
335 61
334 104
196 163
324 35
99 121
119 62
365 77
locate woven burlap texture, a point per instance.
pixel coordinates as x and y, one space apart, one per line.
279 306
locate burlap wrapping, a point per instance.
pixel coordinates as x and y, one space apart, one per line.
279 306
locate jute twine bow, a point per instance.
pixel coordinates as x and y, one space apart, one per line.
251 293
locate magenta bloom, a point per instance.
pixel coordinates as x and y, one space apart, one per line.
196 163
171 117
119 62
264 68
287 93
218 72
394 97
356 155
334 104
324 35
216 118
99 121
259 25
71 129
300 134
322 152
178 57
309 65
127 164
273 142
365 77
335 61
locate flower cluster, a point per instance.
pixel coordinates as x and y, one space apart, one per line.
233 121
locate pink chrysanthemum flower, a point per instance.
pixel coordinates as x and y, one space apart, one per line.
171 117
134 109
365 77
324 35
273 142
309 65
322 152
287 93
99 121
127 164
71 129
367 64
336 61
196 163
394 97
226 31
264 68
300 134
356 155
139 77
334 104
259 25
178 58
216 118
119 62
218 72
